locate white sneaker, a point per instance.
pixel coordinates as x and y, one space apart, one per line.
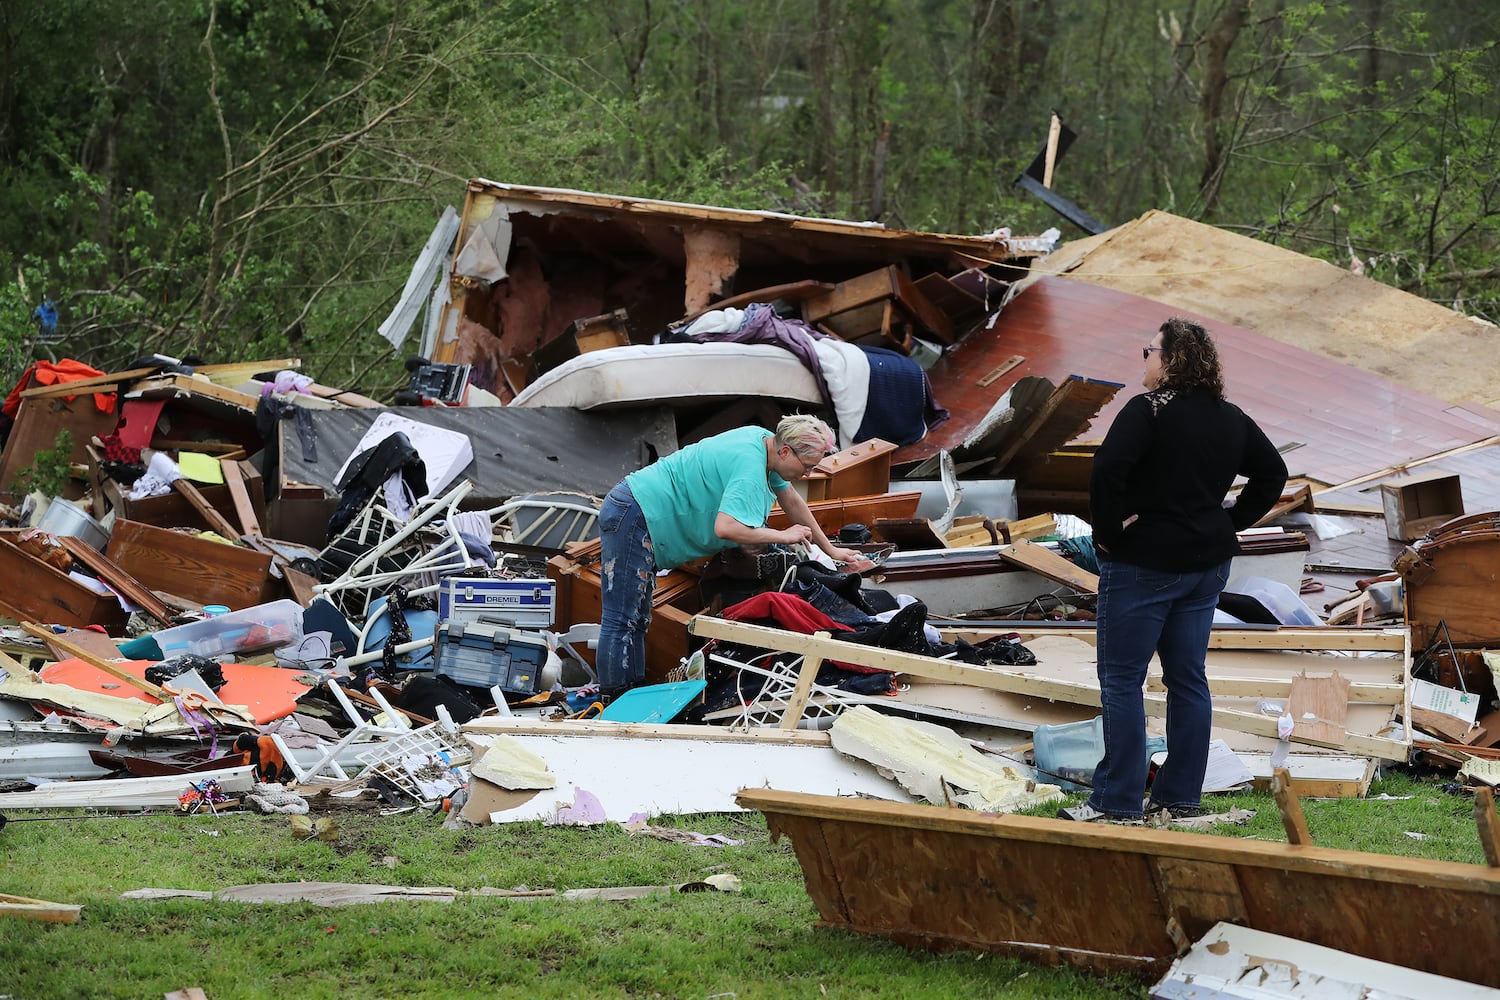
1086 813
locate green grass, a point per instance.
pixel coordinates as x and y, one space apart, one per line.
758 943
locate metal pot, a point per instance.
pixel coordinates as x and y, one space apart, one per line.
64 517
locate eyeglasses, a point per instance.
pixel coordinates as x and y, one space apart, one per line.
807 467
1146 352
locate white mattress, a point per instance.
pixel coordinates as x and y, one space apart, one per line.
672 374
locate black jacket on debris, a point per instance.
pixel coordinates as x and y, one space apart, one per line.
1169 460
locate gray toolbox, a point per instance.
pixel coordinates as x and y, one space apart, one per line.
484 654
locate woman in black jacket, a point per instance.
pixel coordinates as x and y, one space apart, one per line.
1165 536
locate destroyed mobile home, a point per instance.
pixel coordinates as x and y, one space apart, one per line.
255 587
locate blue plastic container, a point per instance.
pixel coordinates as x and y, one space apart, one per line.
1068 753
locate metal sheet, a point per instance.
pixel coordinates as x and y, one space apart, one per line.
516 450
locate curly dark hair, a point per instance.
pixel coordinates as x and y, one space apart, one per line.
1189 359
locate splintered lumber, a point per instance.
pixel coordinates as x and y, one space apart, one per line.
1044 562
114 670
1489 824
1104 897
1290 807
38 909
1015 682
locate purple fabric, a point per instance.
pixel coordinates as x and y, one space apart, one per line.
762 326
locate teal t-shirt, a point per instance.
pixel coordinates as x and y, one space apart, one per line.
683 494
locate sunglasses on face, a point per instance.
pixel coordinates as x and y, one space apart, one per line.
1146 352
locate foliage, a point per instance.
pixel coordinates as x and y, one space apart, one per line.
50 469
234 179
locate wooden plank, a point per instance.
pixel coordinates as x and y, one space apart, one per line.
1489 824
173 562
1280 687
516 725
185 385
832 515
97 662
1357 638
1318 707
243 508
805 677
105 569
206 510
224 375
1003 680
1044 562
38 909
1090 895
1290 807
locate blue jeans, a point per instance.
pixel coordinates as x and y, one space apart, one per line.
627 578
1141 612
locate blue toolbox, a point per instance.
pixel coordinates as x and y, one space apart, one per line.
482 654
526 603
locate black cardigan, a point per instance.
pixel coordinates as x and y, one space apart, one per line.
1168 461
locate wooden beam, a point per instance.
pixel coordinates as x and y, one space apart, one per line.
805 676
1281 687
1489 824
1290 807
516 726
1044 562
38 909
114 670
243 508
1362 639
1014 682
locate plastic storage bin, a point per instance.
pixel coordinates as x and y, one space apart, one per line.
1278 598
1069 752
247 630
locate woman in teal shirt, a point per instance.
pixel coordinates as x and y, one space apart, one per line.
705 498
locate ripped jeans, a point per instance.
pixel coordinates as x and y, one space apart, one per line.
627 578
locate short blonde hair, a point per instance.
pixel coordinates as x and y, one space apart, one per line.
807 436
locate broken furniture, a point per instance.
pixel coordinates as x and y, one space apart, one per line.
883 305
1449 578
1414 505
1115 899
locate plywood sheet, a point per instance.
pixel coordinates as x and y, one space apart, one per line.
1292 298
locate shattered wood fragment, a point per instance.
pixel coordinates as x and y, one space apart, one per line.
1290 807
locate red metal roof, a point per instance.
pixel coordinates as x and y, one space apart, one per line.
1335 422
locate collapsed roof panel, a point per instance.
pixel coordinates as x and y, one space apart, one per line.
516 450
532 261
1336 423
1294 299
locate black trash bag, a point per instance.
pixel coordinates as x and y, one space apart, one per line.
164 670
